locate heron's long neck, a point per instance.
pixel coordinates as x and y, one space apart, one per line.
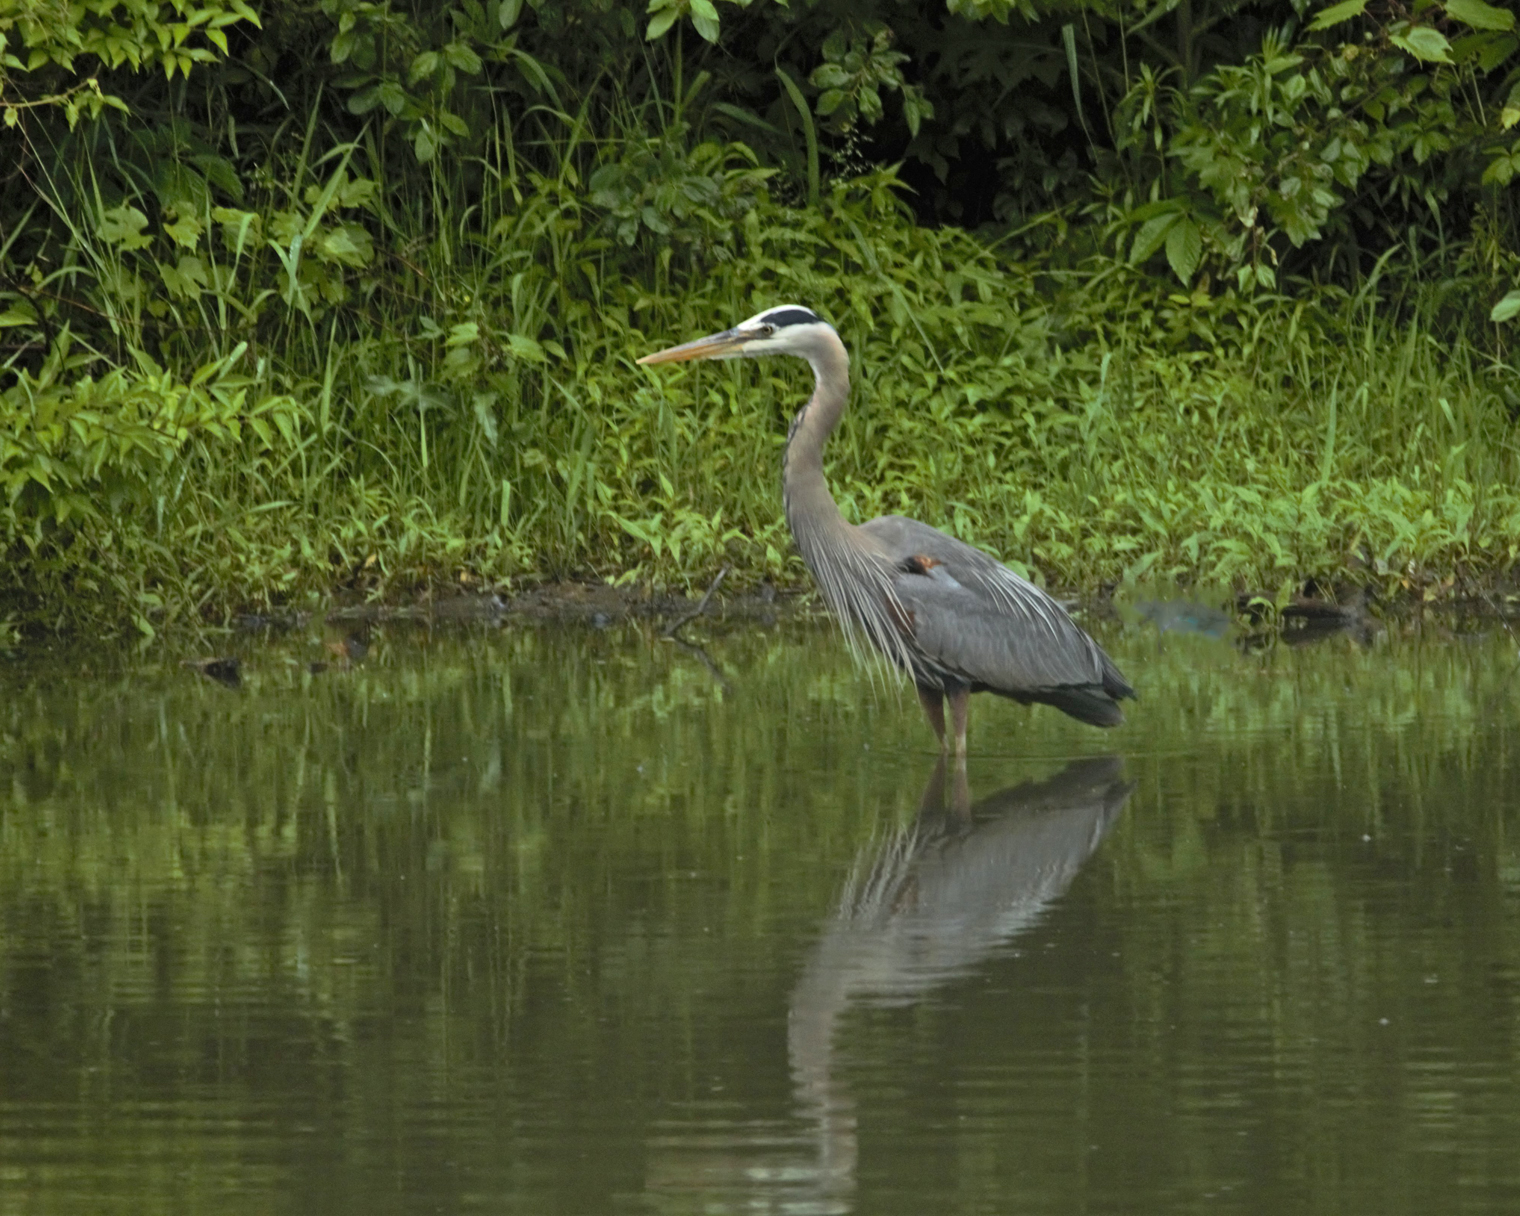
811 512
847 565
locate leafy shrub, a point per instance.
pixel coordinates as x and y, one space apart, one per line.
89 466
372 326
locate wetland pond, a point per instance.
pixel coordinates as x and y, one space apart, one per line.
550 920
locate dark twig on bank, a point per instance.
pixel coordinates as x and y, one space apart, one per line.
673 632
701 607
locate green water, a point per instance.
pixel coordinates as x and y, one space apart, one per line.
540 921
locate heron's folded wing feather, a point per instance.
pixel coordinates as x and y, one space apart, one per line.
977 618
986 641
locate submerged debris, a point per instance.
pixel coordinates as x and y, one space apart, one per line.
1185 616
1311 619
351 649
346 653
224 670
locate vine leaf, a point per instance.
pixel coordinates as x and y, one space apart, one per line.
1337 13
1479 15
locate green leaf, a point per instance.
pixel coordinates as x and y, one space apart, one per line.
738 114
186 279
830 101
666 17
810 134
348 244
485 415
186 230
1152 233
393 97
1479 15
1510 114
1337 13
1069 40
916 107
526 348
357 193
1507 307
462 57
424 64
220 172
705 17
123 226
364 100
1495 51
508 13
1501 170
19 313
1424 43
1184 246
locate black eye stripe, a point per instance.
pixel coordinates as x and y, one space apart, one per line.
790 316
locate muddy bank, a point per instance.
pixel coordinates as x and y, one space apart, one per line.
599 604
595 604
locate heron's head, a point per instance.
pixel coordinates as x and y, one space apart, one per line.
787 329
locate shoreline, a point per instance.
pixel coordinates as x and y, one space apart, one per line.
573 601
599 604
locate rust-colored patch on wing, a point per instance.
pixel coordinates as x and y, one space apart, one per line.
901 617
921 564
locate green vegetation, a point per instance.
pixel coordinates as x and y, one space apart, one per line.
345 296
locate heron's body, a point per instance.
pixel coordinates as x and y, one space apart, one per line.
955 619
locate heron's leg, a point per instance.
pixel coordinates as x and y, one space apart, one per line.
960 793
934 709
960 710
933 801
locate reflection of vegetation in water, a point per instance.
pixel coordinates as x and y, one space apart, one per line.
555 866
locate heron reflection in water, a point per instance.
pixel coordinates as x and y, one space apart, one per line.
919 910
928 906
953 618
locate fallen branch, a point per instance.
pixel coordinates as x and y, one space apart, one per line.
699 609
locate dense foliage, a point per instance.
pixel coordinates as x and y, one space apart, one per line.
300 294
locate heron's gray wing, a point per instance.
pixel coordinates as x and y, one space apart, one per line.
978 620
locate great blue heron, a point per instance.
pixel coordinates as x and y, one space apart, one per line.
954 618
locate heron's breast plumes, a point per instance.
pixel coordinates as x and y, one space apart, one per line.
856 584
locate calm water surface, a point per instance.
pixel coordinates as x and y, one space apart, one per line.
555 922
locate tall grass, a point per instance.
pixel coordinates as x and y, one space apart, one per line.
403 392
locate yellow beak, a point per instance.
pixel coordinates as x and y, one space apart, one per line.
715 346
